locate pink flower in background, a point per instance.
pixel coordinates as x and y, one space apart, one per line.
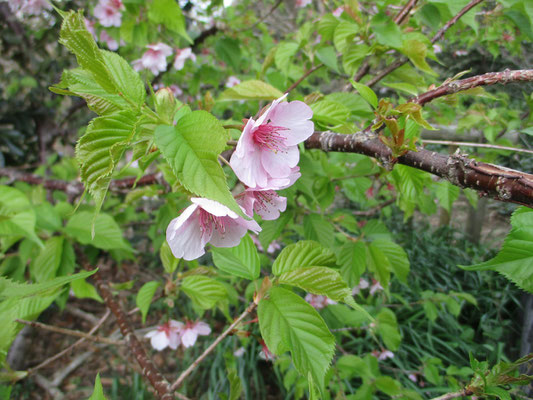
318 301
303 3
338 11
154 59
90 27
28 7
376 286
181 56
232 81
191 331
412 377
363 284
175 89
267 151
206 221
109 12
265 202
111 43
382 355
166 335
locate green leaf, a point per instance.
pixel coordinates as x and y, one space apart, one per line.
241 260
17 217
326 26
446 194
515 258
284 55
352 259
170 263
328 57
289 323
46 264
386 31
75 36
416 51
396 257
345 31
168 13
319 280
9 289
100 149
229 51
366 93
330 112
251 90
387 327
498 392
98 392
387 385
192 148
317 228
203 291
305 253
84 290
272 229
107 234
235 385
353 56
378 263
145 296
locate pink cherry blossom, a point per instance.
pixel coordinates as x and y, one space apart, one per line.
35 7
338 11
181 56
206 221
232 81
192 330
318 301
265 202
175 89
412 377
166 335
109 12
376 286
90 27
382 355
363 284
111 43
303 3
267 151
154 59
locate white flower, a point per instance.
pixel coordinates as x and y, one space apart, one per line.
239 352
318 301
181 56
232 81
190 332
109 12
363 284
376 286
166 335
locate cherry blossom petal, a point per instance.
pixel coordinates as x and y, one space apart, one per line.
214 207
295 116
188 339
185 236
159 341
279 164
202 328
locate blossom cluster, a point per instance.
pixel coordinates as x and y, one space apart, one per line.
28 7
173 333
155 58
265 160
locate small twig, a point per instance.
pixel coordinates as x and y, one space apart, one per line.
404 12
60 375
454 395
68 349
81 314
262 18
193 366
47 385
70 332
305 75
398 63
483 145
223 160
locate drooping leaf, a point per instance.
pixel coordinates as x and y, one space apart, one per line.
251 90
289 323
305 253
46 264
144 297
330 112
352 259
317 228
170 263
229 51
417 51
387 327
386 31
284 55
515 258
108 234
366 93
396 257
241 260
84 290
192 148
352 57
328 57
205 292
17 217
100 149
345 31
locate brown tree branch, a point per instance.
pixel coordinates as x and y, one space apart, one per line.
490 180
398 63
70 332
211 347
454 395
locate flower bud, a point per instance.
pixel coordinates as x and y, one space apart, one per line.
165 104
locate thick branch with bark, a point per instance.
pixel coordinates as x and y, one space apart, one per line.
490 180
